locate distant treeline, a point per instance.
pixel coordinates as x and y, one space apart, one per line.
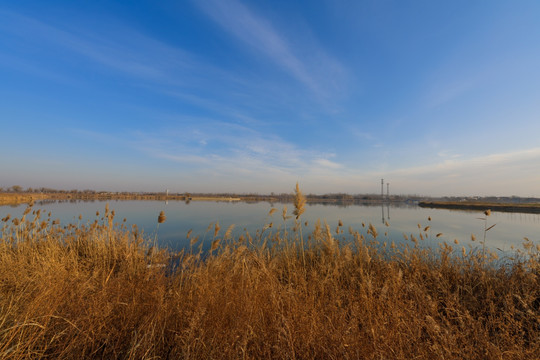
87 193
285 197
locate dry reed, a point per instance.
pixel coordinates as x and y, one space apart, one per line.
96 291
299 202
162 217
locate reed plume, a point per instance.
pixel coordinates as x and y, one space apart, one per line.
299 202
161 217
284 213
373 231
228 232
216 228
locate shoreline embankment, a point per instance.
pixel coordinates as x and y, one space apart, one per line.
502 207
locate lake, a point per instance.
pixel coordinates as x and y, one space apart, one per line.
510 229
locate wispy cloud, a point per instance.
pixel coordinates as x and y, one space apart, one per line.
441 93
118 48
148 64
225 149
498 173
261 36
509 173
326 163
222 144
493 161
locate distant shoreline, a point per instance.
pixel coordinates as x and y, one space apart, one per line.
13 199
8 198
21 198
503 207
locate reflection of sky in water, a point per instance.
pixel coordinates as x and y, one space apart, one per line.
510 230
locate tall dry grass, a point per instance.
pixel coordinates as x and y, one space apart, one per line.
100 291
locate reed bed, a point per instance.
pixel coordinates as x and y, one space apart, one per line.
103 290
18 198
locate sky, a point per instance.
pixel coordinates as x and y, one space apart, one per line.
436 97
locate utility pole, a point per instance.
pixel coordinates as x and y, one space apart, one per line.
388 191
382 189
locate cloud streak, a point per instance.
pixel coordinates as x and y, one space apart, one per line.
494 161
224 148
497 173
230 152
260 36
121 49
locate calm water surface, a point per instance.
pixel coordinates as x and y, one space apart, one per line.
509 231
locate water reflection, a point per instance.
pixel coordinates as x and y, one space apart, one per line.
384 220
252 216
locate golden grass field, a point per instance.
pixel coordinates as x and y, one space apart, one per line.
102 290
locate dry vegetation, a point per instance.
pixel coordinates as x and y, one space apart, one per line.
19 198
102 290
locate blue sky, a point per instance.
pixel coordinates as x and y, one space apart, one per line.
436 97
